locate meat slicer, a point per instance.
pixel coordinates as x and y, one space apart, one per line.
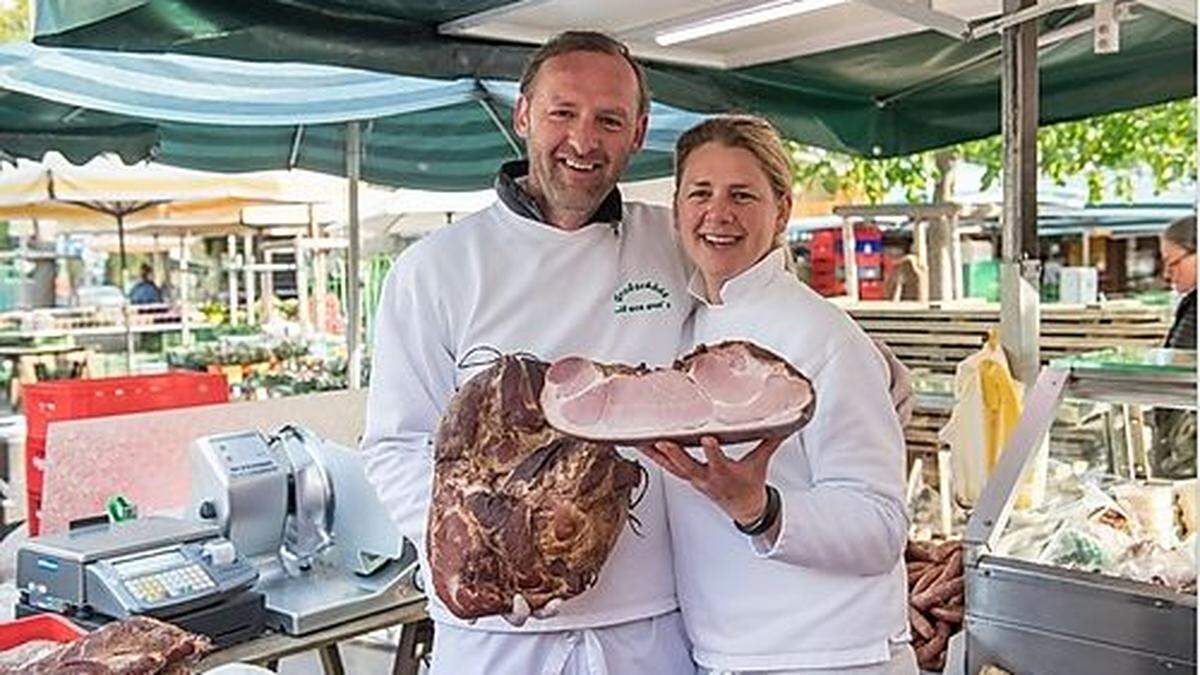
299 508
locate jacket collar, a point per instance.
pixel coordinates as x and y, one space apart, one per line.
510 189
745 285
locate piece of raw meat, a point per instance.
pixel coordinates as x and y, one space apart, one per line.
138 645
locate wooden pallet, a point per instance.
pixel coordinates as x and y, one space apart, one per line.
938 337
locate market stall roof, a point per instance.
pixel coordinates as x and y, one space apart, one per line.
95 194
222 115
865 76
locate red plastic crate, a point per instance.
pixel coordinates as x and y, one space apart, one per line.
870 290
37 627
47 402
822 265
870 259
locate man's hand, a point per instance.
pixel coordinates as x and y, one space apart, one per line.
738 486
899 384
521 613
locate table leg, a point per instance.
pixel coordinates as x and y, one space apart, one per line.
331 660
416 640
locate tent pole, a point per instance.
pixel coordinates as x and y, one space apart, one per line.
850 259
231 254
302 277
353 292
125 292
1020 268
183 287
248 279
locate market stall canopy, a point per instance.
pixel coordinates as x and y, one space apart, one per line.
874 77
221 115
97 193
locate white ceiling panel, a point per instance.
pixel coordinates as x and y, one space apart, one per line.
636 22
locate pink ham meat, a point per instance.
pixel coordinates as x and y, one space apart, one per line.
736 391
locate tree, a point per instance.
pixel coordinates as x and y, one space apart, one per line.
1159 139
14 21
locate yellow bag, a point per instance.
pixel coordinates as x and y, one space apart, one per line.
988 403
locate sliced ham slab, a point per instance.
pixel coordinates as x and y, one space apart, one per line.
735 391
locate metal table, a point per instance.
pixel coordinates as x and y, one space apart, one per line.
409 612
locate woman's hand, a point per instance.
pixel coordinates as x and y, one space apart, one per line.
738 486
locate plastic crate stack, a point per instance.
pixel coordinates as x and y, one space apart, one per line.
826 277
827 262
47 402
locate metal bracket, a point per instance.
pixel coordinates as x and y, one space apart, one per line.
1020 16
1106 28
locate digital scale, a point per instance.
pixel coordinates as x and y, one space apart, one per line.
281 531
177 570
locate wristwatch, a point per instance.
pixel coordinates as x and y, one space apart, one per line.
767 520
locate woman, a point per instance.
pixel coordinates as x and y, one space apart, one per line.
1178 249
788 554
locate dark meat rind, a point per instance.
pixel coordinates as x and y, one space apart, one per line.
518 507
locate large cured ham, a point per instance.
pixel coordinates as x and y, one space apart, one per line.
735 391
517 506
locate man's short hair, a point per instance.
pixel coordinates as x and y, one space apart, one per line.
584 41
1182 233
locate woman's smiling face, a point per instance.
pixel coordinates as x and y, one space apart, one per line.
727 214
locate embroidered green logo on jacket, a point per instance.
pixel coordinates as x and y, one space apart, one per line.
641 296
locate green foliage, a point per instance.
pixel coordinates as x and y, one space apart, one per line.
14 21
1160 140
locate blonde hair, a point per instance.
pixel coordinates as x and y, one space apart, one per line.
754 135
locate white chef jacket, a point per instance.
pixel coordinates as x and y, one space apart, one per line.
654 646
831 592
497 279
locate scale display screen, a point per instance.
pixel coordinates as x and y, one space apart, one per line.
153 563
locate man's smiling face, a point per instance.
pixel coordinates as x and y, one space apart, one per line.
581 126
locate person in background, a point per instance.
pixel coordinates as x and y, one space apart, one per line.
1178 249
788 552
1174 453
145 291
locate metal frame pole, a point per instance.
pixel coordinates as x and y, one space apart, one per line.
184 278
248 273
353 292
850 259
231 255
125 306
1020 268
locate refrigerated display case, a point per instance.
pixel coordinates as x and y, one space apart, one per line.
1101 577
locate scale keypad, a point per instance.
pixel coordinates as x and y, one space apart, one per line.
170 584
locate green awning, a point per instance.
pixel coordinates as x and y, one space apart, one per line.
888 97
232 116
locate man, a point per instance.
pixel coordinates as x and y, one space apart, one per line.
145 292
1174 453
560 265
1178 249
